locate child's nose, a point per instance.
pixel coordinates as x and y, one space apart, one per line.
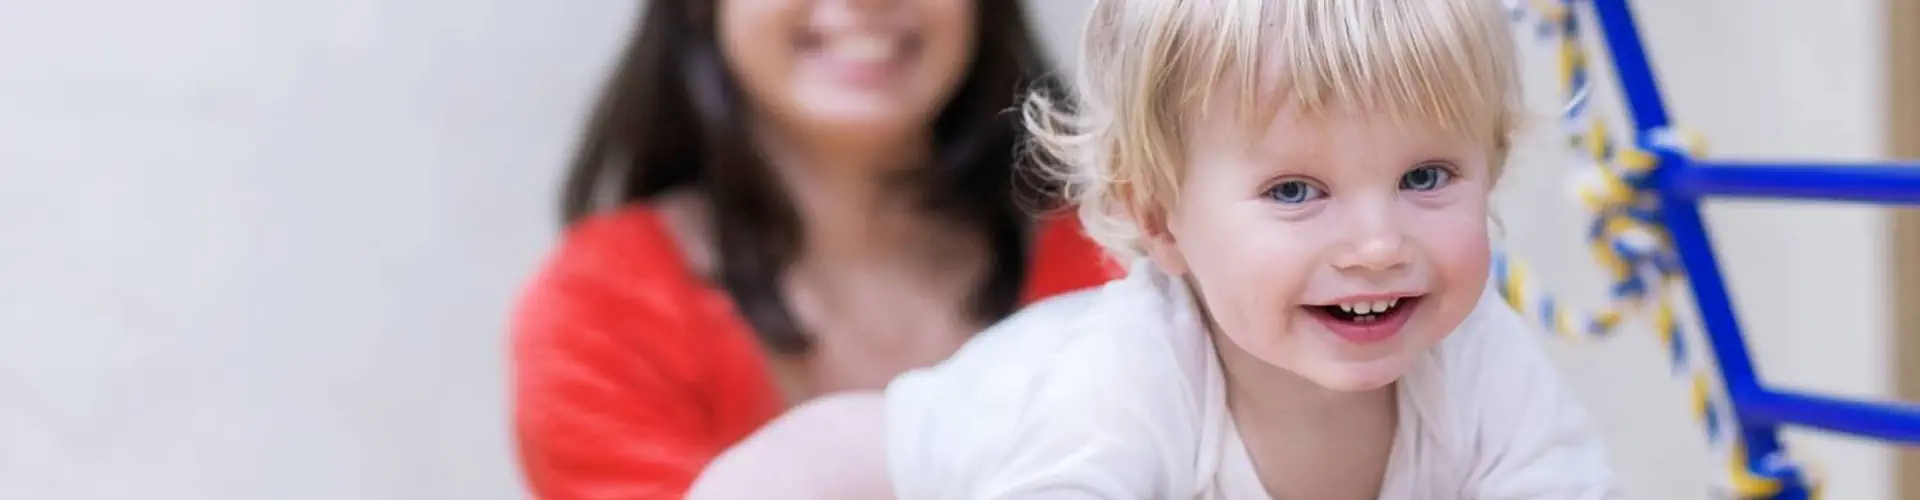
1377 253
1381 245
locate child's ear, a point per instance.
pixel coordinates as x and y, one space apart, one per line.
1157 236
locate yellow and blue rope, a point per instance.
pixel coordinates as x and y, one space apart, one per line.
1628 240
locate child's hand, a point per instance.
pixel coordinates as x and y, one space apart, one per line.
831 448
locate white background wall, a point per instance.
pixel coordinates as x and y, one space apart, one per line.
264 249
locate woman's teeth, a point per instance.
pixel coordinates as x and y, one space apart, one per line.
863 49
1373 307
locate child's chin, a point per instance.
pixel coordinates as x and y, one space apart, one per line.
1361 377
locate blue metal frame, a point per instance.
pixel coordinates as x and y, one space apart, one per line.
1683 182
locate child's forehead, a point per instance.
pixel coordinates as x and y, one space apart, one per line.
1281 123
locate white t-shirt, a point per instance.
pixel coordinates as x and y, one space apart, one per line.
1116 393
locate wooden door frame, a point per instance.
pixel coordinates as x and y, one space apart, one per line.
1903 141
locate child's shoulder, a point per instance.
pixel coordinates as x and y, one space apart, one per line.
1101 337
1082 388
1493 339
1491 367
1087 354
1490 393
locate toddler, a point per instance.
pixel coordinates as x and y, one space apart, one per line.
1300 191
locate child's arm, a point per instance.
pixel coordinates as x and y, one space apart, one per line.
836 448
1095 423
1535 440
1039 407
955 432
830 448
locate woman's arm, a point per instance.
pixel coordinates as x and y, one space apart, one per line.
604 404
832 448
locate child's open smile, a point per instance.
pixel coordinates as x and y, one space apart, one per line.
1366 319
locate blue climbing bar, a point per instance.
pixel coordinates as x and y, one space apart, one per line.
1879 183
1680 212
1895 422
1682 183
1631 66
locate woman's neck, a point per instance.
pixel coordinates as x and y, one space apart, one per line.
844 194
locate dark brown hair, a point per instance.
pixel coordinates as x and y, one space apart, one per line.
673 116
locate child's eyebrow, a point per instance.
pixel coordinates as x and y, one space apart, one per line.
1294 156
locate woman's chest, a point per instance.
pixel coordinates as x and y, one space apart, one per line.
853 357
860 338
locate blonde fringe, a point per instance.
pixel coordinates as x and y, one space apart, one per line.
1151 69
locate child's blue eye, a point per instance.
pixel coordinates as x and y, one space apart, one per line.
1426 178
1294 192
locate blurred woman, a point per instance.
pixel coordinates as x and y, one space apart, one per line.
775 200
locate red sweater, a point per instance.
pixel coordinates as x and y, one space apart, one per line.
630 372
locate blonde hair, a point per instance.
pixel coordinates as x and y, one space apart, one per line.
1149 70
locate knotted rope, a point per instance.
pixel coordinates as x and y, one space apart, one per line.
1626 237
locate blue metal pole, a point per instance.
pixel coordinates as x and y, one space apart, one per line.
1680 207
1883 183
1685 225
1644 105
1888 421
1690 240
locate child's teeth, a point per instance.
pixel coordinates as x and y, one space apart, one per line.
1373 307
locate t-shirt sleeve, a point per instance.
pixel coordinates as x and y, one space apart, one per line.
972 428
603 405
1534 440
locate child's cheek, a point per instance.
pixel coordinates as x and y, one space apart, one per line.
1455 240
